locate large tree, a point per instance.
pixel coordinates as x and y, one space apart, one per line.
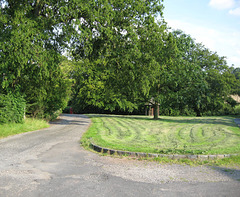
159 54
114 69
103 36
31 43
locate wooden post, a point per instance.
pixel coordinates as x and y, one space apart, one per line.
146 110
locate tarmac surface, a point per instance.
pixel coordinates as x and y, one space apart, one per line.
51 162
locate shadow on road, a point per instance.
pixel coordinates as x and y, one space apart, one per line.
232 173
66 119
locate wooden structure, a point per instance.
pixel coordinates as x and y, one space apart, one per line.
236 98
149 108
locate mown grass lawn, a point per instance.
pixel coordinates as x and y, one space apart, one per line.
168 135
29 124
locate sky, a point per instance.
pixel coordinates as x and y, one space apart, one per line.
214 23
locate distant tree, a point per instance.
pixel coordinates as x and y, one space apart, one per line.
236 83
236 72
208 81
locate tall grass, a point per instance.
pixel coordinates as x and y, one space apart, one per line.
29 124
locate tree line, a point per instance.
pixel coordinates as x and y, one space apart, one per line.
118 58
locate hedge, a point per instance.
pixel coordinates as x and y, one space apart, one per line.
12 108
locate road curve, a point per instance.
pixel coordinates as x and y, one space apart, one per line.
51 162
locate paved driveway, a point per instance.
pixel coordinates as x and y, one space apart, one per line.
51 162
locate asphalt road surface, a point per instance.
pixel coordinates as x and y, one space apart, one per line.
51 162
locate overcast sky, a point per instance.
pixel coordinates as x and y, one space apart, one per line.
214 23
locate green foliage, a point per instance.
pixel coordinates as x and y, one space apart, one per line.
200 80
103 37
237 110
120 58
236 86
30 55
169 69
113 67
12 108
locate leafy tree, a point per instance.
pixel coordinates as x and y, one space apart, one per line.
236 83
159 49
120 58
113 71
105 41
208 82
30 53
236 72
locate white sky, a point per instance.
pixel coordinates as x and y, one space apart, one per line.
214 23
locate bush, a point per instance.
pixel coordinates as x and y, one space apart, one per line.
237 110
52 116
12 108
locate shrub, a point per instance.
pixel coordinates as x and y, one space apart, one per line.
52 116
12 108
237 110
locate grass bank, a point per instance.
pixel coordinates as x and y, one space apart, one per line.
169 135
16 128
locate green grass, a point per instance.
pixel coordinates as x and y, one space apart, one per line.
233 161
16 128
168 135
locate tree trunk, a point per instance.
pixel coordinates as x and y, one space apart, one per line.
156 111
198 112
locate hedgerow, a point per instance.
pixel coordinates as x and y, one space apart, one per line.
12 108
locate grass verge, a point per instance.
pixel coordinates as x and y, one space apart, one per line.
233 161
16 128
230 162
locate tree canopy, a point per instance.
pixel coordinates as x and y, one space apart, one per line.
119 57
203 81
115 68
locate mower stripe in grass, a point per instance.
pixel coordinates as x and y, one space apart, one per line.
169 135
